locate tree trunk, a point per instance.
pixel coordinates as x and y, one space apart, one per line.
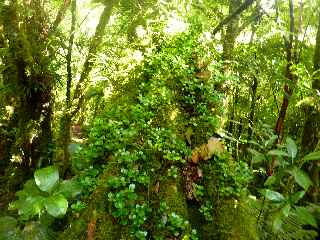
227 55
31 99
79 93
234 14
66 121
231 35
252 106
290 79
311 130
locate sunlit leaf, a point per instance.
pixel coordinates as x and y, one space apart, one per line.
56 205
273 196
29 207
271 140
46 178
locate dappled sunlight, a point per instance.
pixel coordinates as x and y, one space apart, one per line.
156 119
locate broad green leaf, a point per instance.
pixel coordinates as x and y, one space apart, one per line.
305 216
29 206
273 196
291 148
314 156
46 178
277 152
69 188
301 178
56 205
29 189
294 198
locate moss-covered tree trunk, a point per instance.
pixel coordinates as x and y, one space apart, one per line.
31 83
311 130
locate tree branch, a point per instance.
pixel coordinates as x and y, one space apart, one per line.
60 16
88 65
238 11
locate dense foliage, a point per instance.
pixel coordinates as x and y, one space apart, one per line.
159 119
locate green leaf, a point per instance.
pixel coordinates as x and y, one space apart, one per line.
270 180
69 188
46 178
286 210
294 198
301 178
305 216
29 206
277 152
257 156
56 205
29 188
291 148
271 140
314 156
273 196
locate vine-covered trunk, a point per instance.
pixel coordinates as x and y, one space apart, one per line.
311 131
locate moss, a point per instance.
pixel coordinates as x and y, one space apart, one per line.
96 213
235 223
172 193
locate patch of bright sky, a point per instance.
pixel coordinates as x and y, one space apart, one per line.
89 16
267 5
175 24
